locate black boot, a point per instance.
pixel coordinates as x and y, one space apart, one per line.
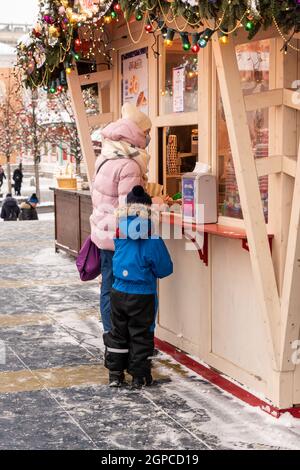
116 378
148 379
138 382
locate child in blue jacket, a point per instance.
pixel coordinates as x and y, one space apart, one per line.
140 259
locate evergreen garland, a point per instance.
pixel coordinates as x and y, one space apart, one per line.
49 51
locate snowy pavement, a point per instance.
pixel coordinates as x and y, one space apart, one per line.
53 386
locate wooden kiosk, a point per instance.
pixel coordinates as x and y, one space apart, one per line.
237 308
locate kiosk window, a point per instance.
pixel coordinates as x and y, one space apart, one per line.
253 62
178 155
179 85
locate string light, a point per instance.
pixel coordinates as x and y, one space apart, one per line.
139 16
169 37
223 38
117 8
249 25
185 41
148 28
195 45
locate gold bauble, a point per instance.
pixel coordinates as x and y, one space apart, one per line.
69 12
53 31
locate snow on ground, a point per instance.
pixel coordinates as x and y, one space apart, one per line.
181 411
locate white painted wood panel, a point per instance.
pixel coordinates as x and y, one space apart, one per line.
238 331
184 296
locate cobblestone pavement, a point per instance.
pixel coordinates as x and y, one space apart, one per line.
53 392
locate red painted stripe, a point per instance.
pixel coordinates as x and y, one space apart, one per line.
217 379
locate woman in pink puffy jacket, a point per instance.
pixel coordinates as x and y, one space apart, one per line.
123 146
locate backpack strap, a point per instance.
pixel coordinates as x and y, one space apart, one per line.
119 157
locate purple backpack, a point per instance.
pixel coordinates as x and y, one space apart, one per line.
88 261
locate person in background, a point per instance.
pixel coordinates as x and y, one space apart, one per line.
140 258
2 176
126 165
18 179
28 208
10 210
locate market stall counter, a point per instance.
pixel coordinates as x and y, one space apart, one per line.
72 219
187 228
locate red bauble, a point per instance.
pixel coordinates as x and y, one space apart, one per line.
37 34
195 48
117 8
148 28
77 42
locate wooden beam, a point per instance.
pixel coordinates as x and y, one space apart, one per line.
99 119
290 301
245 169
96 77
176 119
289 165
268 165
291 98
276 164
82 123
264 99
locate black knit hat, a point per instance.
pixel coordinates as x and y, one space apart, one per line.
138 196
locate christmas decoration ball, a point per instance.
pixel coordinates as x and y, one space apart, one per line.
117 8
53 31
62 10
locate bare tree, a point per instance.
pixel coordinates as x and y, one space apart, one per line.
10 127
34 134
68 129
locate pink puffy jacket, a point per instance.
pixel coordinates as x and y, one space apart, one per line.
116 177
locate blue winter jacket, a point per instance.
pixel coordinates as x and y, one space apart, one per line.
139 259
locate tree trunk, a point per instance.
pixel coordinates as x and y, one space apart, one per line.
77 166
37 179
8 175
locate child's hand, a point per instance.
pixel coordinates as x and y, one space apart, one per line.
157 200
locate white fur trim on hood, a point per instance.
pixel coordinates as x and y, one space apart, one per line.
130 111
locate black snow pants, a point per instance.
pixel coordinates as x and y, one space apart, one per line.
130 343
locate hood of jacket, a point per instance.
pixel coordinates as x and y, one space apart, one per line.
10 202
116 149
25 205
125 130
136 221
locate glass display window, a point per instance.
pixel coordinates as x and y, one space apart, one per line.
178 155
179 79
253 63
